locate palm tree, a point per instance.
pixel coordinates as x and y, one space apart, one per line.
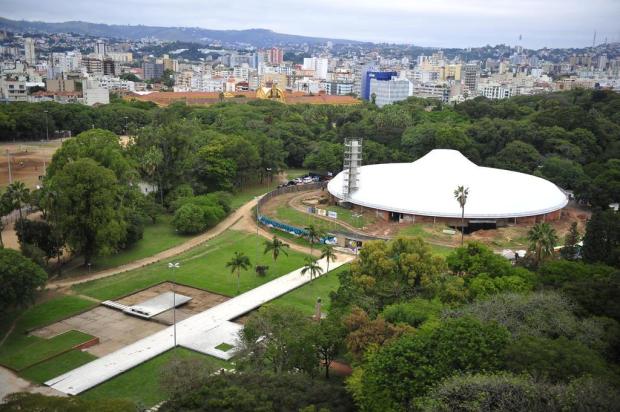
313 234
239 261
18 194
460 194
275 246
542 238
328 254
311 267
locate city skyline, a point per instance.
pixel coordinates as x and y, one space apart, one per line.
448 23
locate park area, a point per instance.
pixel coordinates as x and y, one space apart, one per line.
44 340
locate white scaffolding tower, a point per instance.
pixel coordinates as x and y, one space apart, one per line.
352 163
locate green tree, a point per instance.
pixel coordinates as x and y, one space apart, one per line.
329 255
102 146
87 209
571 240
262 391
41 234
312 268
278 339
239 261
20 279
406 369
189 219
275 246
17 195
490 392
314 235
554 360
212 170
460 194
23 401
389 272
518 156
542 239
601 242
327 338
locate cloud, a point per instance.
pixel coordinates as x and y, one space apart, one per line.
443 23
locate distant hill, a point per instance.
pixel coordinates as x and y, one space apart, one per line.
255 37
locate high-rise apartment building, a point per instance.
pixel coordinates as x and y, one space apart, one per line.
276 56
100 48
29 52
152 70
469 76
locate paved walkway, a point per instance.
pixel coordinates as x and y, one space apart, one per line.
193 332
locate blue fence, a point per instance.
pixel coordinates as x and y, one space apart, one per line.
292 229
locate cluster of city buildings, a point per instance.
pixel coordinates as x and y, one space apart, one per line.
88 70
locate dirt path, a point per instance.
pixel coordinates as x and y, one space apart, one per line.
166 254
10 383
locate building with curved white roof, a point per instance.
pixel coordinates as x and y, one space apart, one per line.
425 188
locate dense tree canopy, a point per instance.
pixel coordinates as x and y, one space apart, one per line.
20 279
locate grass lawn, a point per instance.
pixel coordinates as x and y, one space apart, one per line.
294 217
56 366
157 238
141 384
203 267
248 193
351 217
19 348
38 349
293 173
304 298
441 250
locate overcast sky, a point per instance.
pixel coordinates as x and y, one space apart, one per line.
443 23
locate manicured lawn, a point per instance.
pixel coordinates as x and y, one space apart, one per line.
224 347
248 193
38 349
293 217
52 311
304 298
203 267
293 173
56 366
19 349
351 217
157 238
141 384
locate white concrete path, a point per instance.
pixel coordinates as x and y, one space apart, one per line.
200 332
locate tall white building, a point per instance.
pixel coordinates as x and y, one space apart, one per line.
100 48
31 57
390 91
320 66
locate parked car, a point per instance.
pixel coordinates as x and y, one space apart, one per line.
307 179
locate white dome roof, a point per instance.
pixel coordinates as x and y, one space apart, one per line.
426 187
